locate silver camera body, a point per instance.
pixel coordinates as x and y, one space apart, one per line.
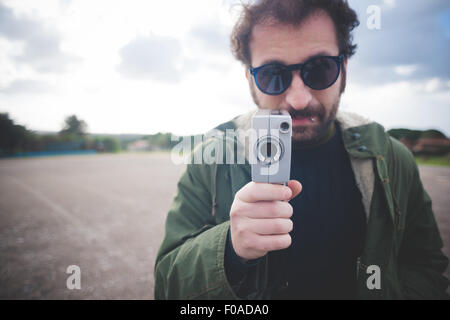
271 146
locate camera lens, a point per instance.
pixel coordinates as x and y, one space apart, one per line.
284 127
269 150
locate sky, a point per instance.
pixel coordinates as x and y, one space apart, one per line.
144 66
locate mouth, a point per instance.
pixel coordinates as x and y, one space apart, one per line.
303 120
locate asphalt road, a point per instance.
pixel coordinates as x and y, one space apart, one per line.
105 214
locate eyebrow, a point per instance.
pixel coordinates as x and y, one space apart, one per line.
319 54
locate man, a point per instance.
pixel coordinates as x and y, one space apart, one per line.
354 221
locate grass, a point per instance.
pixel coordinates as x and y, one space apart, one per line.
433 161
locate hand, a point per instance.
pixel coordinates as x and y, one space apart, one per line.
260 218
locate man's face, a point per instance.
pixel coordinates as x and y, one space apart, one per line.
312 111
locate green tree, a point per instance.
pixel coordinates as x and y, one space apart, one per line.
74 126
413 135
111 144
432 134
407 134
13 137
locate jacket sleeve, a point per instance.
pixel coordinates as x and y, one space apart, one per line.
190 261
421 261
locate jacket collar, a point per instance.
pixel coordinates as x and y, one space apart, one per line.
358 142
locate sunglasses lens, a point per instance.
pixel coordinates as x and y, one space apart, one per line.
320 73
273 79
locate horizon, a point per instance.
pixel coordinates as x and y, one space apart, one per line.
168 132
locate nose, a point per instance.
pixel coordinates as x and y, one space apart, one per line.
298 95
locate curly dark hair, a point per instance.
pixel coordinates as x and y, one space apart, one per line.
292 12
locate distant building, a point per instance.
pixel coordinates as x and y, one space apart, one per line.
432 146
139 145
408 143
428 146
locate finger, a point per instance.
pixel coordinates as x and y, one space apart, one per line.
256 191
296 187
265 209
270 226
273 242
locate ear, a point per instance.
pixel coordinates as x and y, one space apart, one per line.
247 73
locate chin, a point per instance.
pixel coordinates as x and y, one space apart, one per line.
304 136
309 134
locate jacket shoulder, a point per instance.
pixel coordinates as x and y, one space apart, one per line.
403 154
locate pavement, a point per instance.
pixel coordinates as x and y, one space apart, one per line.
104 214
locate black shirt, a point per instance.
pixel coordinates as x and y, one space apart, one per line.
329 227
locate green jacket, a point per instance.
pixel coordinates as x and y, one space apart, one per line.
402 236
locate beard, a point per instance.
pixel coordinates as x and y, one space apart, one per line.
312 133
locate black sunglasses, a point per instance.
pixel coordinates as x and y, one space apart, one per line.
318 73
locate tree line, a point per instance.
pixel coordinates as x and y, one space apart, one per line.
17 139
414 135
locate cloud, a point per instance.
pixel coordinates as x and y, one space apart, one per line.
65 3
390 3
154 57
412 43
405 70
212 36
208 46
41 48
25 86
168 59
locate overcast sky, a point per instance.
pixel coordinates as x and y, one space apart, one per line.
147 66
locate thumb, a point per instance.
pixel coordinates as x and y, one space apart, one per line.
295 187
